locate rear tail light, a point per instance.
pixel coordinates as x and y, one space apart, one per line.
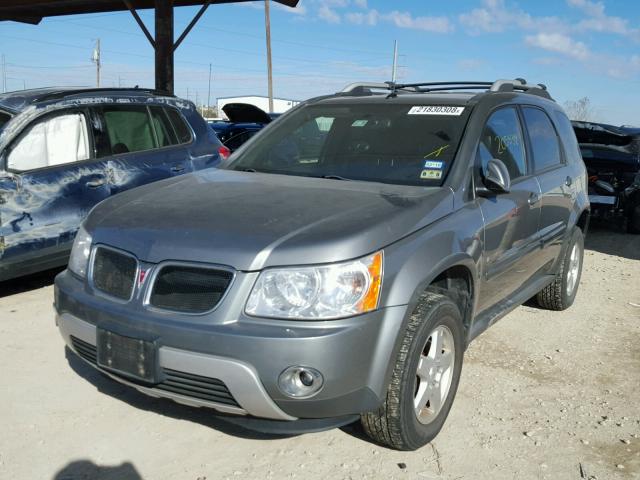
224 152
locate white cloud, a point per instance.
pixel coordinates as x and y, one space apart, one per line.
495 16
599 21
360 3
370 18
559 43
327 14
429 24
401 20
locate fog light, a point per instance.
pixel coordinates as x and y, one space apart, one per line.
300 382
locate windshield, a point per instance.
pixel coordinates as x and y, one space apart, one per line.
389 143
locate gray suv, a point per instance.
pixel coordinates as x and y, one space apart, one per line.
336 267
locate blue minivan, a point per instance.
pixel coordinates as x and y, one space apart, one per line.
64 150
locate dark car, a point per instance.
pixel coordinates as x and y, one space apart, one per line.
612 157
64 150
245 120
339 280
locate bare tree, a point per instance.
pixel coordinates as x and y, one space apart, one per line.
579 109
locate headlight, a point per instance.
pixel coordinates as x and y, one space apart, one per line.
318 293
80 253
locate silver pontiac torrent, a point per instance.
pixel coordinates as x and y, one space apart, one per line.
336 267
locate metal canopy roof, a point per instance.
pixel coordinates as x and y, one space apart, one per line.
33 11
164 44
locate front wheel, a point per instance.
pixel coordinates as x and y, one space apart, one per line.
425 377
560 294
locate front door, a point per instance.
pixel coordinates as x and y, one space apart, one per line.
51 183
511 240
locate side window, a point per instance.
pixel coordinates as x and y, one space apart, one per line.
127 129
182 130
55 140
568 136
544 141
502 139
164 130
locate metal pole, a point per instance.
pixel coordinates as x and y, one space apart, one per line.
267 24
394 72
98 63
209 91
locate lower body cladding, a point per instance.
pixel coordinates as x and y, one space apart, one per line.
240 369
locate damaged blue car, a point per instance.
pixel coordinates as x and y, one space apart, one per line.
62 151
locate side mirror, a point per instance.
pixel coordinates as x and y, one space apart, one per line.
496 179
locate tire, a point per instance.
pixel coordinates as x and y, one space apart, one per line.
633 222
395 423
560 294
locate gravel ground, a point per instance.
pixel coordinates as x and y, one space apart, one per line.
543 395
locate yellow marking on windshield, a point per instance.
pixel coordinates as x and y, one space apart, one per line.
437 152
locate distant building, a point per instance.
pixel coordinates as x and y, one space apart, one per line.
280 105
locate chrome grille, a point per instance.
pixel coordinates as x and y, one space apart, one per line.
189 289
114 272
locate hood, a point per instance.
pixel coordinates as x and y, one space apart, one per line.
251 220
245 113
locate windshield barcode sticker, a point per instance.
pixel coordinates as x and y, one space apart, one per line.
435 110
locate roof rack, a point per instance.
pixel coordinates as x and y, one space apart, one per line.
52 95
518 84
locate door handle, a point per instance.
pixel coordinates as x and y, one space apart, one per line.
568 181
177 168
533 198
96 183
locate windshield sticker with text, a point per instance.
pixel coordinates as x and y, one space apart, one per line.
435 110
431 174
434 164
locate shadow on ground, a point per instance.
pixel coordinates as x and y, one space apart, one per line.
28 283
204 416
87 470
604 239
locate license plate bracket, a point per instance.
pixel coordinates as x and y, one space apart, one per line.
131 357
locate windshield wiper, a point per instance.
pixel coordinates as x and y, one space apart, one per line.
250 170
335 177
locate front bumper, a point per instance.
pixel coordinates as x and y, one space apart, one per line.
246 354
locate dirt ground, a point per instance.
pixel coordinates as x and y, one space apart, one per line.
543 395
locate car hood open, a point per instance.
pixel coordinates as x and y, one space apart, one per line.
245 113
253 220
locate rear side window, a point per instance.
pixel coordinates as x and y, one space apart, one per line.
543 138
568 136
164 129
502 139
180 125
128 129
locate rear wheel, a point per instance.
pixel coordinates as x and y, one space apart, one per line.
425 377
560 294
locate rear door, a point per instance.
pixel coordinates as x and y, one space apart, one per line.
556 182
511 240
52 180
139 145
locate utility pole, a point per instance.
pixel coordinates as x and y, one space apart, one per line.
209 92
96 59
267 24
394 72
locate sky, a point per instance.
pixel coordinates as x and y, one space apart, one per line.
578 48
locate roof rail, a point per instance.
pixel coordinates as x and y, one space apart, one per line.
79 91
518 84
